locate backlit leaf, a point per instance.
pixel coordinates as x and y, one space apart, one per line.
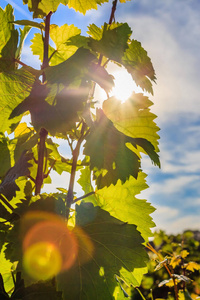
61 114
60 36
37 46
8 187
118 250
84 5
139 65
113 42
8 38
121 202
41 8
133 117
14 88
108 152
5 271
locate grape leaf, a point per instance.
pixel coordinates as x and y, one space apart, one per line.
95 32
8 38
133 117
113 42
8 187
84 5
5 270
14 88
139 65
60 36
57 117
78 64
37 46
81 65
121 202
111 157
41 8
118 250
107 149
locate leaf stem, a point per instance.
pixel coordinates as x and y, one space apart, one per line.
20 62
112 15
84 196
41 152
5 201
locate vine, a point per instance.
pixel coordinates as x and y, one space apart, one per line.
61 245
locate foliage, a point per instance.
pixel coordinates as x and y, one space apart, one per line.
173 271
60 245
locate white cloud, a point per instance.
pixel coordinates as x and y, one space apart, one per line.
28 58
177 88
177 224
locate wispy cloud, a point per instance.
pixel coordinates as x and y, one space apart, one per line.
19 9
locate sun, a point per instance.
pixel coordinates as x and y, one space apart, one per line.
124 85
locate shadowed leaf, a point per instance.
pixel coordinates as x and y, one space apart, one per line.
118 250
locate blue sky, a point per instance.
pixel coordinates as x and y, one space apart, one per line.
170 32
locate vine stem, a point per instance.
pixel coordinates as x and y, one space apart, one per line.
41 151
70 194
112 15
148 245
43 132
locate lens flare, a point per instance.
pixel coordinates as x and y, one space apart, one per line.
42 261
49 247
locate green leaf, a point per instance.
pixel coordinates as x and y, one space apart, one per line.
59 163
118 250
14 88
37 46
84 5
108 152
60 36
78 64
41 8
5 271
95 32
133 117
121 202
78 41
61 114
113 42
139 65
8 38
25 139
8 187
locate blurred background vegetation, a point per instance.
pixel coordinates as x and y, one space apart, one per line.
174 268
